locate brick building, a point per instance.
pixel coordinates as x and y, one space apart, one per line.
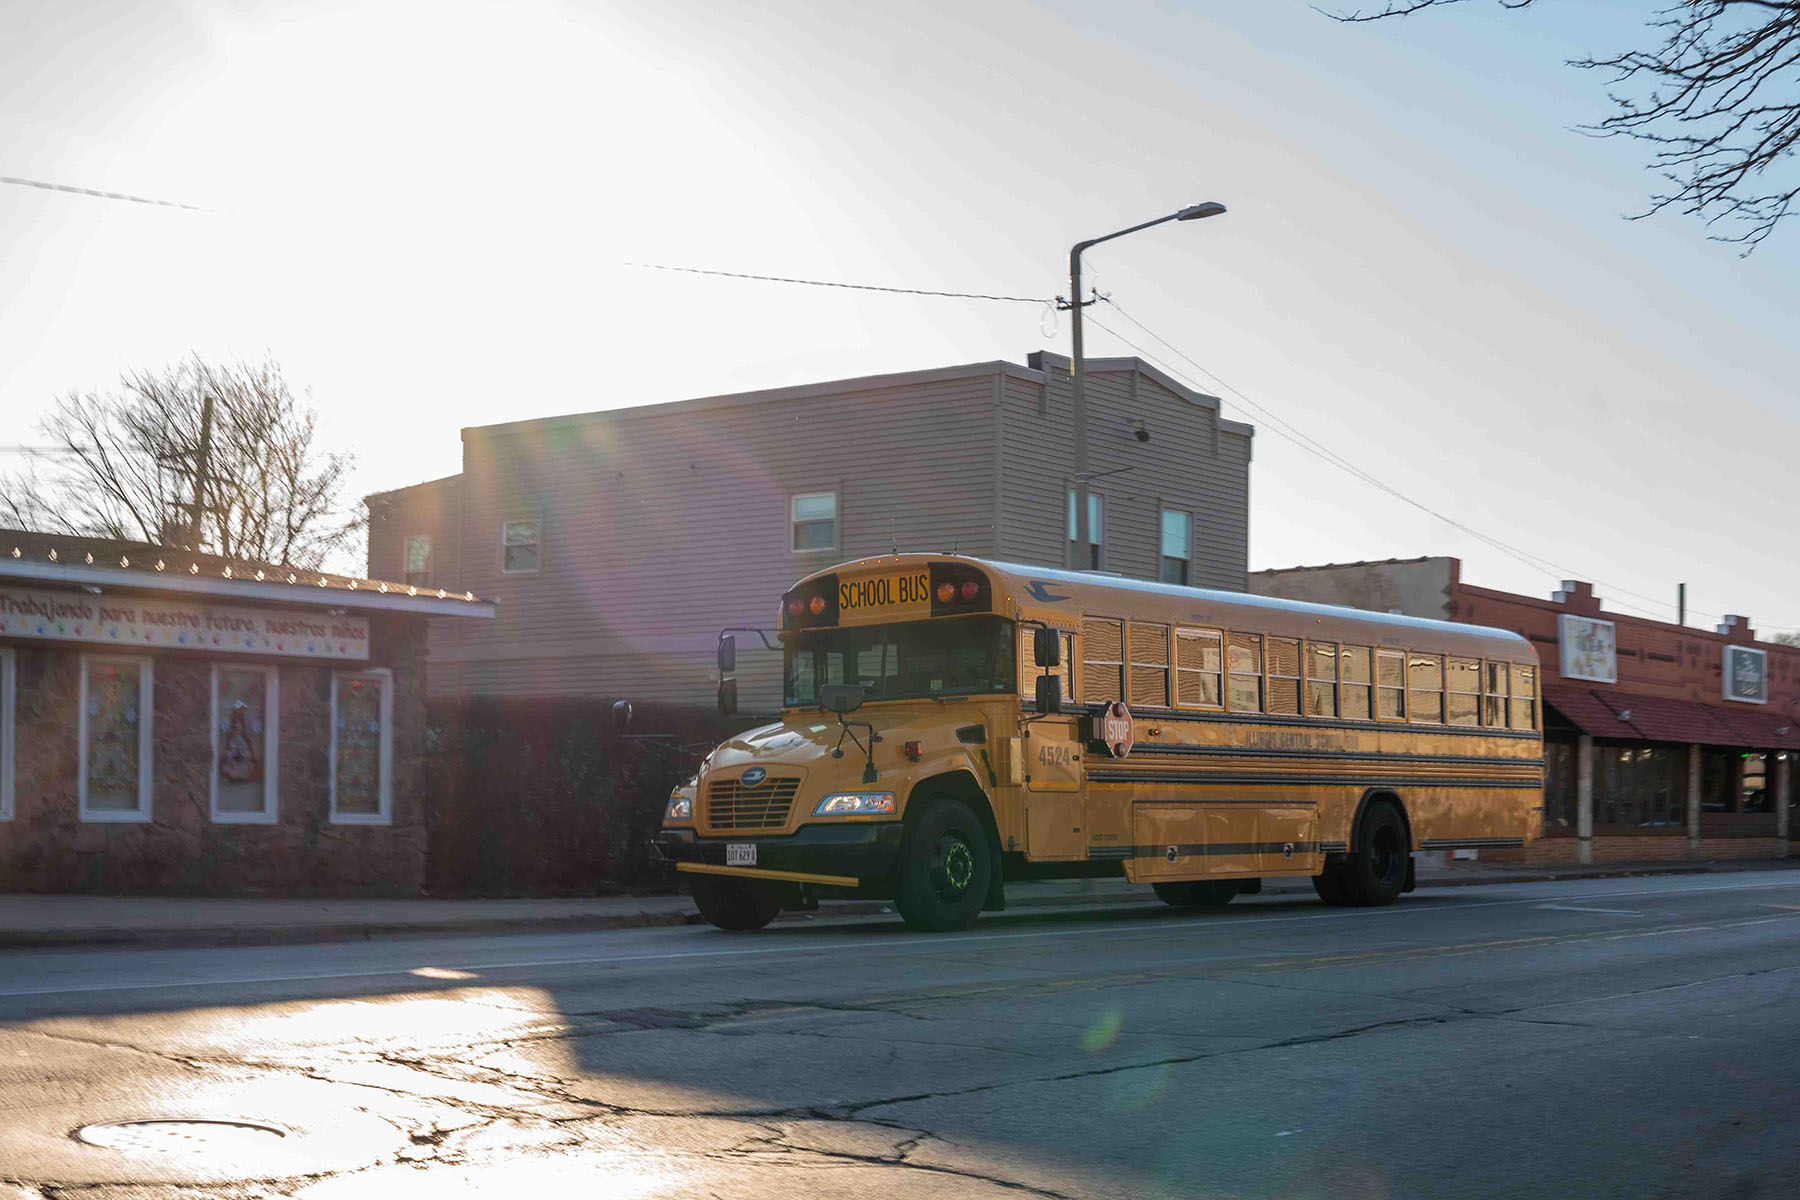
1661 741
619 543
181 722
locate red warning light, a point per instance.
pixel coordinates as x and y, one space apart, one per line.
970 589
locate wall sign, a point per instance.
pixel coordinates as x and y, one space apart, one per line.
108 620
1589 648
1746 675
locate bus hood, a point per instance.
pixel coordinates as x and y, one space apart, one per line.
802 740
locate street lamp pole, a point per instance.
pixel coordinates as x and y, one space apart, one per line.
1078 369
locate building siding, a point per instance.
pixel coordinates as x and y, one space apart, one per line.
661 525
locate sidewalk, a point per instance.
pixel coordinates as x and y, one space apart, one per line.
43 921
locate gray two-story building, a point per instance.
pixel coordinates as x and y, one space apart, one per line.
618 543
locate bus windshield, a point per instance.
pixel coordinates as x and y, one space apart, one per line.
910 661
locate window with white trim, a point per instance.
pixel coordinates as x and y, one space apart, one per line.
114 738
1177 537
812 522
245 738
520 545
8 718
362 750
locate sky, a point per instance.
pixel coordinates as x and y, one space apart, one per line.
427 213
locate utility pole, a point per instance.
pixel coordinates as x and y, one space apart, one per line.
1078 553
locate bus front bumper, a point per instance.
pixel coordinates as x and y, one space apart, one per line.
833 855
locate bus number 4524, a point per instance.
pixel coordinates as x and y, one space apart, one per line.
1052 755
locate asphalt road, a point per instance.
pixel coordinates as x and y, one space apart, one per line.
1617 1037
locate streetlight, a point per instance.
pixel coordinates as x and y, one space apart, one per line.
1078 371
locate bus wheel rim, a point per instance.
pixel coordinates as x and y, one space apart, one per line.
953 866
1385 855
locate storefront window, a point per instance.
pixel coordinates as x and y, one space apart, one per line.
1753 788
244 744
1559 785
1718 781
1639 786
114 782
361 747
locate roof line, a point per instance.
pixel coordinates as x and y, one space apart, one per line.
244 589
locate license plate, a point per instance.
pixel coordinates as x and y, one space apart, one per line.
740 854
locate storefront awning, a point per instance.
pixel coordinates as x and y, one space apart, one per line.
1610 713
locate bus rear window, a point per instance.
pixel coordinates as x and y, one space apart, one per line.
908 661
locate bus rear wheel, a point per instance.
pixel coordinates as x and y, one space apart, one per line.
739 905
1376 872
946 867
1197 893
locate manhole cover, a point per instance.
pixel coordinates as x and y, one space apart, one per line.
183 1136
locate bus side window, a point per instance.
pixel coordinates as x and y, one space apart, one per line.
1462 691
1102 660
1427 683
1246 672
1284 676
1321 679
1149 666
1524 696
1354 661
1390 685
1199 669
1499 680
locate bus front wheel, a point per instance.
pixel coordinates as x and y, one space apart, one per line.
946 867
739 905
1197 893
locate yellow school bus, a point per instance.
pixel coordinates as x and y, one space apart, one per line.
950 723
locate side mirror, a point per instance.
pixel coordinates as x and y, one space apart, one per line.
727 654
1046 647
1049 693
622 715
841 698
727 696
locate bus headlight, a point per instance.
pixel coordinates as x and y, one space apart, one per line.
681 808
855 804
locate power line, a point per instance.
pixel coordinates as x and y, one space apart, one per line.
1312 446
81 191
858 287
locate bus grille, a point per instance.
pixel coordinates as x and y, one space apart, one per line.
766 806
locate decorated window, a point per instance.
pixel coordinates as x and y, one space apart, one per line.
8 715
520 545
113 780
362 707
244 741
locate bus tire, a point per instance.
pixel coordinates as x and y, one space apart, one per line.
740 905
1329 884
1376 872
946 868
1197 893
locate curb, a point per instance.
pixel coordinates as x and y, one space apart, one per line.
281 935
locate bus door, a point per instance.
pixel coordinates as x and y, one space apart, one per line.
1054 789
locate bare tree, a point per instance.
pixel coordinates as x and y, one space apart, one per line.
1717 101
223 459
